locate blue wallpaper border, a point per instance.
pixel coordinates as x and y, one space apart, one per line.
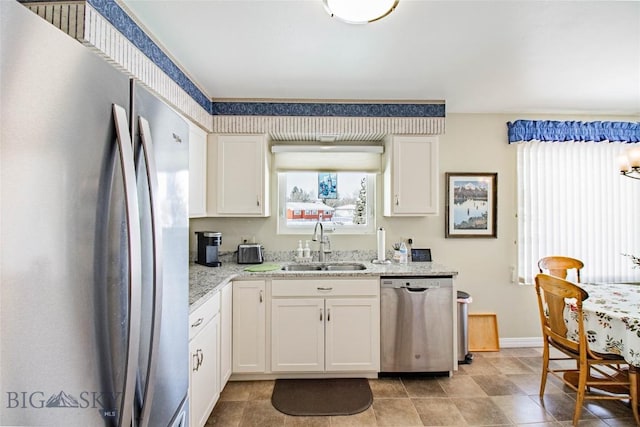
319 109
549 130
128 27
121 21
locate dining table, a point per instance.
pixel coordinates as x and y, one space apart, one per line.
611 316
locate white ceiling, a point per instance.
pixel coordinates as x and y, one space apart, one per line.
506 56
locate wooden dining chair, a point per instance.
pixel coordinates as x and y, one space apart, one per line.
559 266
595 376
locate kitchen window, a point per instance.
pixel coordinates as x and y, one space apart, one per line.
342 201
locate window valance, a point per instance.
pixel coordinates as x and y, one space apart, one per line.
547 130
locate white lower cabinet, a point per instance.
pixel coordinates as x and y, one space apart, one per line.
210 351
249 326
226 304
352 334
204 346
297 335
325 325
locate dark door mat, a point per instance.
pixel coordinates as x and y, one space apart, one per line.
318 397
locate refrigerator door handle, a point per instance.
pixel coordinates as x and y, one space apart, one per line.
125 149
152 179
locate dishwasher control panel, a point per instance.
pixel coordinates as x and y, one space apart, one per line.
416 282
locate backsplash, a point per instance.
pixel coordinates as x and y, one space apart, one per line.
288 256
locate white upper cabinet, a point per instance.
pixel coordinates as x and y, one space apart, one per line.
238 176
411 176
197 171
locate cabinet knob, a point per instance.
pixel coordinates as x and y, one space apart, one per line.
258 201
261 295
321 315
328 314
397 200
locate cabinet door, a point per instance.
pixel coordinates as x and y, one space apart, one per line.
204 380
352 334
411 181
249 326
197 171
240 178
225 333
297 335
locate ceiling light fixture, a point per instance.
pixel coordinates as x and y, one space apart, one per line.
359 11
630 163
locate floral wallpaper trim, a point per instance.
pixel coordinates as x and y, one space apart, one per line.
324 109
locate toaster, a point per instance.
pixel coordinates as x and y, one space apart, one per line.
250 254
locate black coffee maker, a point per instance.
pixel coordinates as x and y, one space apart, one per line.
208 243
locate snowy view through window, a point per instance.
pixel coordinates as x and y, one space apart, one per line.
337 199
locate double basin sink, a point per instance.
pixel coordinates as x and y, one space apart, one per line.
325 267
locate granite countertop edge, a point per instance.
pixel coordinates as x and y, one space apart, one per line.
205 281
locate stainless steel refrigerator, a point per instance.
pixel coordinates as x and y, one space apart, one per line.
93 235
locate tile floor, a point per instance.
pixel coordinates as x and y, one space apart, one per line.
497 389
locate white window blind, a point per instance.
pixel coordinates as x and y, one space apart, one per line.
572 201
335 157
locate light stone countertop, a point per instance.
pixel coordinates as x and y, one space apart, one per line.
203 281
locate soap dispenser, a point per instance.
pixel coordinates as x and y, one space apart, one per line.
307 250
299 251
403 253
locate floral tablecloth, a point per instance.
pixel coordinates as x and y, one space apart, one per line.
612 319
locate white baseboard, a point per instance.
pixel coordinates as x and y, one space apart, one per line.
521 342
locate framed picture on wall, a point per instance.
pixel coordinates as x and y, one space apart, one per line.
471 205
327 185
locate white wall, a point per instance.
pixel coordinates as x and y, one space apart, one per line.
472 143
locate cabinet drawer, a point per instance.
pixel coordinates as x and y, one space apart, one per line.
324 287
203 314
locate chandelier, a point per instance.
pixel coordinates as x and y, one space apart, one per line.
630 163
359 11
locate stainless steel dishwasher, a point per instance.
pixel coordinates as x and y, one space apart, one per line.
417 324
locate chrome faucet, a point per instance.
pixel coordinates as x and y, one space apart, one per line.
324 240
